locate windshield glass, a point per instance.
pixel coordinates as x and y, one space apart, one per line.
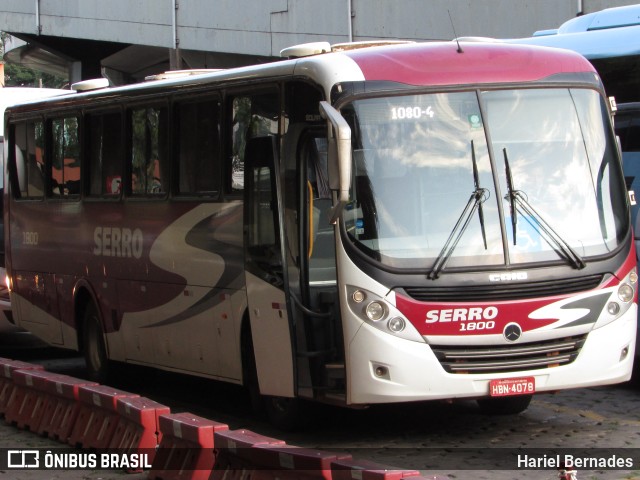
424 189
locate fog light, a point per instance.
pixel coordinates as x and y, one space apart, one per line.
358 296
375 311
624 353
396 324
381 372
625 292
613 308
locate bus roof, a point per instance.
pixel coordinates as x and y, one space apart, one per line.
443 64
14 95
431 63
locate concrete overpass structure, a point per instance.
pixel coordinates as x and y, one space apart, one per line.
126 40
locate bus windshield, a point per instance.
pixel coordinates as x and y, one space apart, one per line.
484 178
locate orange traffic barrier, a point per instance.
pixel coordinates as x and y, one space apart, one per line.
26 407
7 367
61 407
234 453
138 428
186 451
273 462
350 469
97 418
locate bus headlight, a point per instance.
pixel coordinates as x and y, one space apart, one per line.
613 308
381 313
375 311
625 292
396 324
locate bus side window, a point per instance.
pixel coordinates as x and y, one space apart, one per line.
252 116
65 161
104 134
148 154
198 146
29 159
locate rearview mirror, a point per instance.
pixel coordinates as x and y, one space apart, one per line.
339 137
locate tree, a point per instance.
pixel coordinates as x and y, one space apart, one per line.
22 76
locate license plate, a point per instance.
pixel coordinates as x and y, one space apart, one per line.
512 386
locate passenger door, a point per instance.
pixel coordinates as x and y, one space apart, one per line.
264 271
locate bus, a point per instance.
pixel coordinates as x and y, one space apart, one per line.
8 96
608 39
353 224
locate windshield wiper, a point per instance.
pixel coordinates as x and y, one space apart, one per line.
476 183
518 201
477 198
510 194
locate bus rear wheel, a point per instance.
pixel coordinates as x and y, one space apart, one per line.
505 405
95 351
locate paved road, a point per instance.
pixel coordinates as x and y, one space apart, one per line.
460 440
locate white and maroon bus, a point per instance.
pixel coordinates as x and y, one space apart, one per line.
366 225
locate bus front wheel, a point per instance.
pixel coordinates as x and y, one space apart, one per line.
95 351
285 413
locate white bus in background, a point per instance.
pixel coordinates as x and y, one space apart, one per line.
11 96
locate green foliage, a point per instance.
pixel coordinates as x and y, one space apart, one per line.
23 76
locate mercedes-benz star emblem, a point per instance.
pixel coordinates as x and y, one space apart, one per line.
512 332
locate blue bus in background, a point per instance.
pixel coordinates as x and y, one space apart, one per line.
609 39
627 125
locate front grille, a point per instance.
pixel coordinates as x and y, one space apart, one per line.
504 291
509 358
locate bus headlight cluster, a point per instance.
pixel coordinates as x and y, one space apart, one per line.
381 314
622 299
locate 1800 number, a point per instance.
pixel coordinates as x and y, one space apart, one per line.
30 238
471 326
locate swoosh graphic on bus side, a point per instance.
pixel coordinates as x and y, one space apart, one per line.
199 267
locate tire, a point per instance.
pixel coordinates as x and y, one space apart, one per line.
287 414
505 405
95 351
